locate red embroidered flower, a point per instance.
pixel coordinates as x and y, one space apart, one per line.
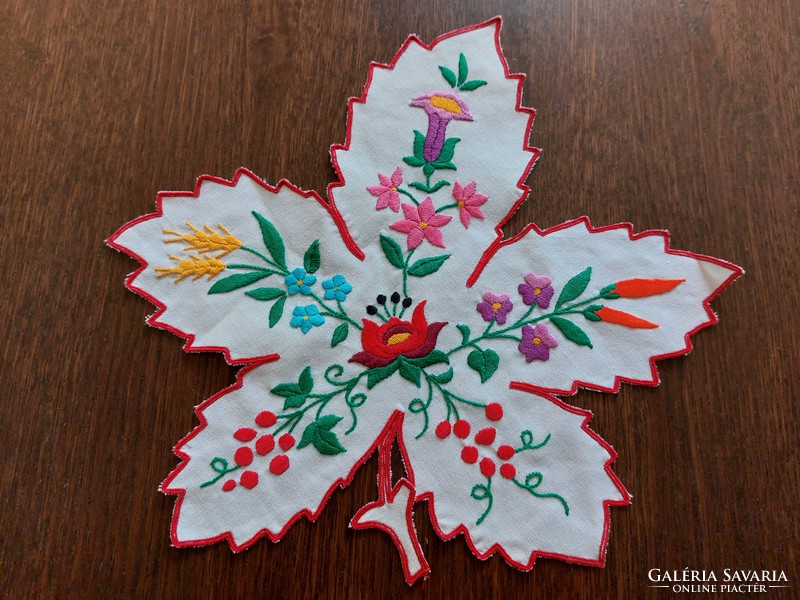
384 343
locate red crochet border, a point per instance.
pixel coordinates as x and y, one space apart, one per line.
153 319
497 22
619 379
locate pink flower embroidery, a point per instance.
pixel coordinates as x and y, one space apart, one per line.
468 202
386 192
422 222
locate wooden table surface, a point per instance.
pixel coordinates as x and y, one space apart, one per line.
677 115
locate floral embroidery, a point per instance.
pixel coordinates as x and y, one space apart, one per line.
434 386
536 342
386 192
299 282
337 288
385 343
422 223
495 306
536 289
468 201
306 317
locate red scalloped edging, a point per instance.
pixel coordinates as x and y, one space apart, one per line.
153 319
462 528
619 379
335 148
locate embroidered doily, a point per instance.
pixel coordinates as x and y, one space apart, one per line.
395 311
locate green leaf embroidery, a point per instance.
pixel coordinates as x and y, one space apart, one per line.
234 282
445 377
442 165
428 190
571 331
448 149
276 311
393 252
426 266
294 401
311 260
266 293
419 144
413 161
485 362
472 85
272 240
465 333
434 358
463 69
589 312
378 374
574 287
286 389
318 433
340 334
607 292
306 382
449 76
428 169
410 372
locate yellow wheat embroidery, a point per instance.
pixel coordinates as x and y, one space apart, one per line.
206 240
194 266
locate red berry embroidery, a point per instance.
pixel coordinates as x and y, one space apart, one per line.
508 470
228 485
443 429
461 428
245 434
487 467
249 479
470 455
494 412
265 444
266 419
485 436
286 441
279 464
243 456
505 452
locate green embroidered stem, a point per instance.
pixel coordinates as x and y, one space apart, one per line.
280 269
407 193
220 466
483 492
446 207
353 403
253 268
330 312
532 489
405 279
418 406
448 394
523 320
386 310
527 442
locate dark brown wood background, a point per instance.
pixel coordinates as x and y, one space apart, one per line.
678 115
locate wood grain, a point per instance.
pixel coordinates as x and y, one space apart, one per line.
677 115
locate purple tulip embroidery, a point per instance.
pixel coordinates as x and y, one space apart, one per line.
442 107
536 342
536 289
494 306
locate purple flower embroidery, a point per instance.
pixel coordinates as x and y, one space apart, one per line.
536 289
494 306
536 342
386 192
442 107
